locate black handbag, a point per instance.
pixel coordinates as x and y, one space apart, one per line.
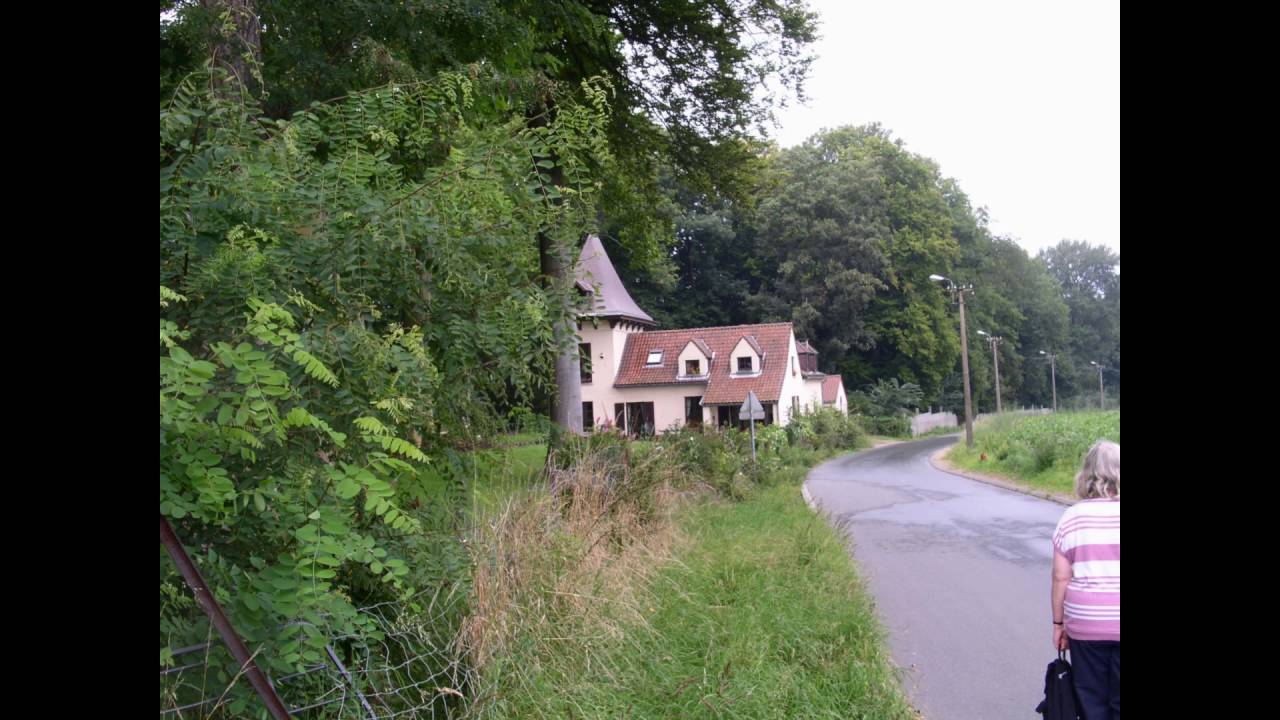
1060 702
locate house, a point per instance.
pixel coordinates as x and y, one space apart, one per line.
644 380
833 393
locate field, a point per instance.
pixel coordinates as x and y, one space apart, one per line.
1040 451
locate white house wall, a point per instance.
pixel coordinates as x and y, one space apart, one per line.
812 398
793 384
743 349
668 400
606 356
692 352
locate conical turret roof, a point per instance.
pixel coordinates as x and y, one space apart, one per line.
609 298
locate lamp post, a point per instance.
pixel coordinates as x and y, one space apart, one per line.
995 358
1102 398
959 291
1053 376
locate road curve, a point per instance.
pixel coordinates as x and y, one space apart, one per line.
960 574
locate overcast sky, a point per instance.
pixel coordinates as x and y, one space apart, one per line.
1019 101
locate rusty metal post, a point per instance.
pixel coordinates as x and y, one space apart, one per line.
228 633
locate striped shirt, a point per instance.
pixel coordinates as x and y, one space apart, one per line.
1089 536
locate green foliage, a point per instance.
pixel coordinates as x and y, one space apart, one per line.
826 429
1089 276
840 236
854 225
887 398
760 615
526 421
897 426
1041 450
347 297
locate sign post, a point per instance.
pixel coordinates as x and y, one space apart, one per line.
752 410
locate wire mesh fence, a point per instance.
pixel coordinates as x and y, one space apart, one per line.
412 666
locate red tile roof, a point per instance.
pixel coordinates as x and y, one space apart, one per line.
829 387
804 347
722 387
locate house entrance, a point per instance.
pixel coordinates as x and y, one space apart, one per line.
727 416
635 419
693 411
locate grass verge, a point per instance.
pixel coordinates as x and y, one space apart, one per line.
692 606
1038 451
507 471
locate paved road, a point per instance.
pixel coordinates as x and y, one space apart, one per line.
960 574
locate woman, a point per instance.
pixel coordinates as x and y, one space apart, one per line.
1086 583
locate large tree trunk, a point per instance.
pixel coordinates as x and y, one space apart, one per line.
235 45
557 270
555 262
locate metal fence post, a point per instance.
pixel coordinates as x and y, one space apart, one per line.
211 608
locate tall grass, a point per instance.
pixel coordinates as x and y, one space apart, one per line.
637 586
1043 451
559 578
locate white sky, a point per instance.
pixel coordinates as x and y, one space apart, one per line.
1018 100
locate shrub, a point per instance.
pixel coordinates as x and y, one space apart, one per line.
826 429
524 420
890 425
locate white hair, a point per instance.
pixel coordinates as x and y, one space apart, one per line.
1099 477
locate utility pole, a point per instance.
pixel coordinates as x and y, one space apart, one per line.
1102 397
995 359
959 291
1053 377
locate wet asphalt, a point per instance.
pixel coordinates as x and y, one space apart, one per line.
959 571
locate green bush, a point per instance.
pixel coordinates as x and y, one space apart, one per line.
523 420
898 426
826 429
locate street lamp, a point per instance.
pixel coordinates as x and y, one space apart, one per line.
1102 398
995 358
959 291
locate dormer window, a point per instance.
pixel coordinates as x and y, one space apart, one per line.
744 364
692 367
655 358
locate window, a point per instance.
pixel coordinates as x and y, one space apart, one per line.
588 417
655 358
640 419
744 364
584 361
692 367
795 406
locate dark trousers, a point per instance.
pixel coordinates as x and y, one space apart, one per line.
1095 665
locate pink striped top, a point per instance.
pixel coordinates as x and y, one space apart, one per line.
1089 536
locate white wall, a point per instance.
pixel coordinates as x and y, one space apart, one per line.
743 349
692 352
668 400
607 345
812 398
792 384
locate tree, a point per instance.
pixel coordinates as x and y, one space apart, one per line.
854 225
1089 278
346 297
687 79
